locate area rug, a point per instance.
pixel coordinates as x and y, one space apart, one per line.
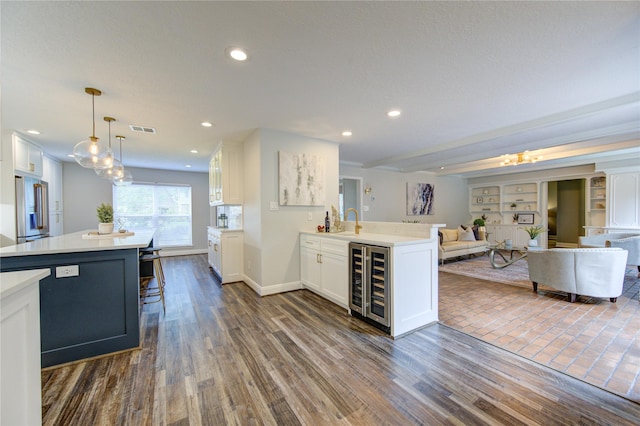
479 267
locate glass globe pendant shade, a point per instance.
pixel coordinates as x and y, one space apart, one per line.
116 170
93 154
125 179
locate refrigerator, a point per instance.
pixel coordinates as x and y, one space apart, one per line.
369 284
32 209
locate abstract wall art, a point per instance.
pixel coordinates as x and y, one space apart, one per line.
419 199
301 179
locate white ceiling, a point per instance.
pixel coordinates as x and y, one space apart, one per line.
474 80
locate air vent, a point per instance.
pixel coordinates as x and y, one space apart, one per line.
142 129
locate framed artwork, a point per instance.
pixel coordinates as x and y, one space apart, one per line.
419 199
301 179
525 218
479 200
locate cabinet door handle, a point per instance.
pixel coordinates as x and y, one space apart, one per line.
319 256
215 247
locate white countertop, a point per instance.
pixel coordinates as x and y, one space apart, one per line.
71 243
12 282
388 240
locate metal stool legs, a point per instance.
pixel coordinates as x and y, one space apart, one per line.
153 293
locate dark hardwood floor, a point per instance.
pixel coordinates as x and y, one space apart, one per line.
223 355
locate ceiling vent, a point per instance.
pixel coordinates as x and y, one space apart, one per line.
142 129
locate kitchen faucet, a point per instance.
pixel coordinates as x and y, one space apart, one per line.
358 226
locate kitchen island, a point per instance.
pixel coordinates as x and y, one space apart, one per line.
387 274
89 304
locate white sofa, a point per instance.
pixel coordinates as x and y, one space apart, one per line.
597 272
453 244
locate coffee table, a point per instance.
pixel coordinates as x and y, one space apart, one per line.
495 249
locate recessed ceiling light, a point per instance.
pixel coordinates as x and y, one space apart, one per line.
194 151
347 133
237 53
442 168
394 113
188 166
206 124
71 156
33 132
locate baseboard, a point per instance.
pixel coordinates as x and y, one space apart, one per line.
181 252
272 289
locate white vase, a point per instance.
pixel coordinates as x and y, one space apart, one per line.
533 243
105 228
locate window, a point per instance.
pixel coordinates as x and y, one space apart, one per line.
167 208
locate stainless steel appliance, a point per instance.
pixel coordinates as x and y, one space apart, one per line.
369 284
32 209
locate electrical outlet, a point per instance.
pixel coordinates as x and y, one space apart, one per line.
67 271
365 208
309 216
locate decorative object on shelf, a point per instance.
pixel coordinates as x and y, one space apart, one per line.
491 200
107 173
525 218
337 224
485 192
528 207
92 153
121 176
419 199
479 200
484 217
533 232
301 179
513 206
520 158
105 218
519 189
515 217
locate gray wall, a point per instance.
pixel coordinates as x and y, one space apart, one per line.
271 236
83 191
388 198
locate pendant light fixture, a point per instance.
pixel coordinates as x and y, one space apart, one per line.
108 173
92 153
121 176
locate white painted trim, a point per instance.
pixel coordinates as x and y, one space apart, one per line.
272 289
168 252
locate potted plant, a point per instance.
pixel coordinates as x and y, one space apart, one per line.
513 206
533 232
515 217
105 218
478 222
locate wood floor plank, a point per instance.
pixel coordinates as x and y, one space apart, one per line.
224 355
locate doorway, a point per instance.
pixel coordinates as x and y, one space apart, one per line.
349 189
566 212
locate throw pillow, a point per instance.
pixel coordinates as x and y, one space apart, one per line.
465 235
476 232
449 235
440 236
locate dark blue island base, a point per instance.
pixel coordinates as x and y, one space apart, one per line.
91 314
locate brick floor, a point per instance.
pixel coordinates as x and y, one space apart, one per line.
593 339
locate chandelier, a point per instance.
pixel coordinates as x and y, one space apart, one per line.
520 158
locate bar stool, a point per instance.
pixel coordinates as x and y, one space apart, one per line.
157 265
148 293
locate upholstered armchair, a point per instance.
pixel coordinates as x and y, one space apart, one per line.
597 272
630 244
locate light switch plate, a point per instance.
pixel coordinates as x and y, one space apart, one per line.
365 208
273 205
309 215
67 271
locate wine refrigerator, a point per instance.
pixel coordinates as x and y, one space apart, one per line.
369 284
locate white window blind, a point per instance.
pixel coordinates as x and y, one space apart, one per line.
165 207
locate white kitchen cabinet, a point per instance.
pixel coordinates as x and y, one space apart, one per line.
324 267
27 156
52 174
225 175
225 254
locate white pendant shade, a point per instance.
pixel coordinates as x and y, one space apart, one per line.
93 154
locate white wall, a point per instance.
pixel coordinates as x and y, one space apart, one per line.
388 198
273 242
83 191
